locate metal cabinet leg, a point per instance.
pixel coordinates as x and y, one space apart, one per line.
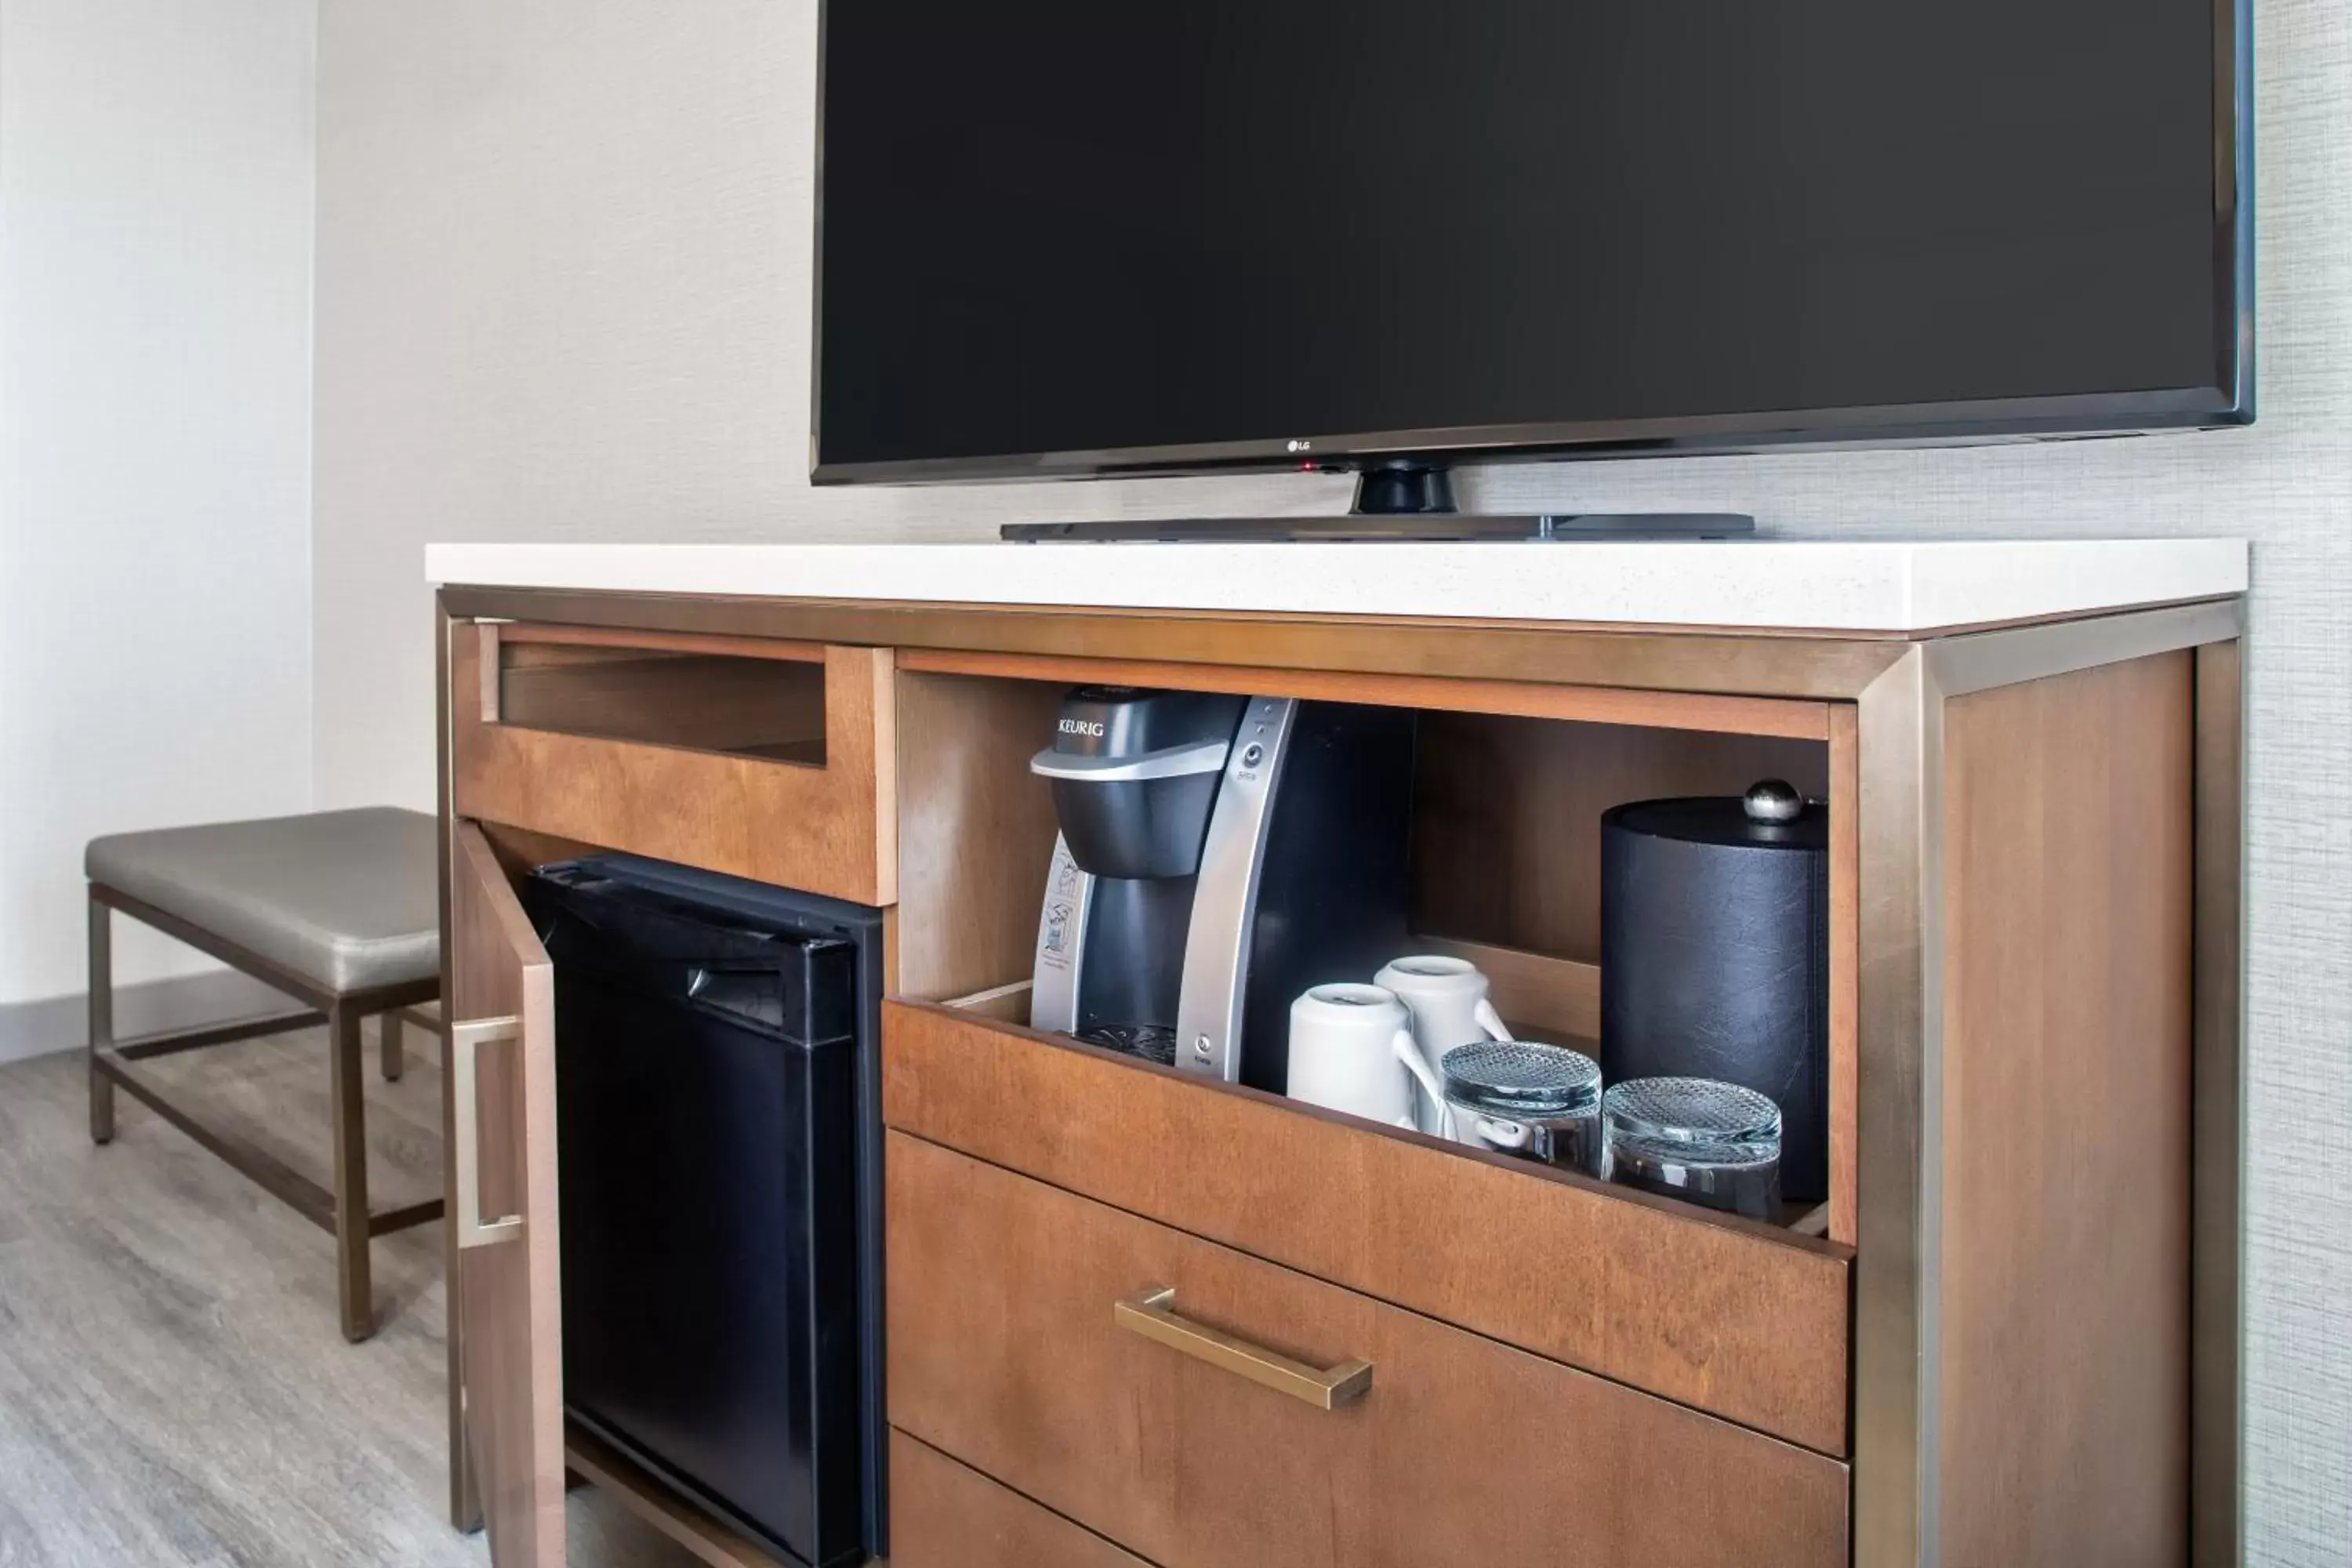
101 1019
352 1282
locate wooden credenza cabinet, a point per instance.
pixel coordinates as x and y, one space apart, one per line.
2009 1338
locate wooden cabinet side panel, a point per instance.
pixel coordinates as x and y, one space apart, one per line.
975 830
945 1514
1726 1316
1004 1353
2064 1434
511 1312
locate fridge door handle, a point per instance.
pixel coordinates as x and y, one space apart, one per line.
466 1039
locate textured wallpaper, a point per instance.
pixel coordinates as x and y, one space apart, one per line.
564 293
2285 483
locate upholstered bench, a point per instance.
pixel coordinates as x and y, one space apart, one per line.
340 910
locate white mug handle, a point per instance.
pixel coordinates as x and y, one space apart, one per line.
1490 1020
1503 1134
1403 1048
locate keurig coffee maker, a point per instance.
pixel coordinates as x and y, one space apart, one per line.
1135 777
1218 854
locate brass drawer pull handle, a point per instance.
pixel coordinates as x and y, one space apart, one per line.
1153 1315
466 1131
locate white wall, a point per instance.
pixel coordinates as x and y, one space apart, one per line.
564 290
564 275
155 238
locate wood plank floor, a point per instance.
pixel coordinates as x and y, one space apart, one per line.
173 1389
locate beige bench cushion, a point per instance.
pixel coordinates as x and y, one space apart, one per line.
349 899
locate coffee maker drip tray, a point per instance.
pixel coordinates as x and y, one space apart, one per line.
1152 1042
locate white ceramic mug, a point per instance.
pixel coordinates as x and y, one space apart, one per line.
1447 999
1351 1050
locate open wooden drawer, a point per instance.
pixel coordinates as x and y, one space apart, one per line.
1154 1405
1746 1321
763 758
945 1514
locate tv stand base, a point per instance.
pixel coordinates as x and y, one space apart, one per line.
1423 527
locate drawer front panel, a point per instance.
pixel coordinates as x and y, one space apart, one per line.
829 828
1005 1352
1722 1315
945 1514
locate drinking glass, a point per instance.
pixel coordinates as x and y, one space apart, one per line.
1706 1143
1525 1097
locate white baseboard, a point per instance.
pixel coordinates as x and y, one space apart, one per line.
183 1001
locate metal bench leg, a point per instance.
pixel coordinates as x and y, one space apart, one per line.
102 1020
354 1286
395 1060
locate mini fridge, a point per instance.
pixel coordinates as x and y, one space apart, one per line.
719 1133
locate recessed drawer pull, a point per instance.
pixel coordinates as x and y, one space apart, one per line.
1153 1315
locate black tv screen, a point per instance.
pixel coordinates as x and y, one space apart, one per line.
1069 237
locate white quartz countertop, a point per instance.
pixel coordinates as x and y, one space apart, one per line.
1859 586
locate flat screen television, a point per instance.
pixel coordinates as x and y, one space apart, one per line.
1061 238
